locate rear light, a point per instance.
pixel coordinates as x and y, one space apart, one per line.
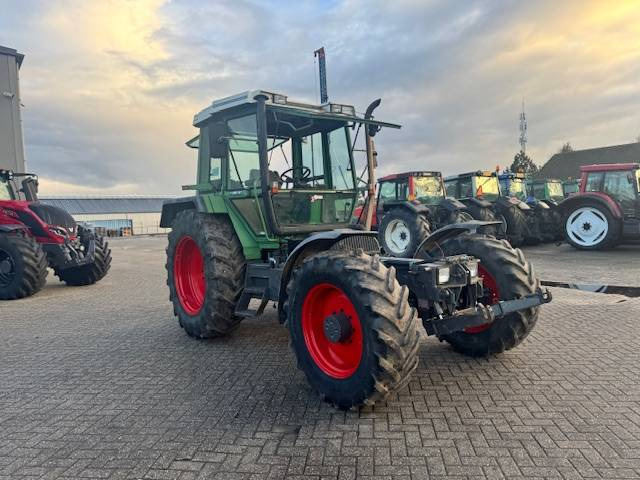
275 188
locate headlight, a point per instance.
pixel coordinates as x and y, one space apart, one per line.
473 269
443 274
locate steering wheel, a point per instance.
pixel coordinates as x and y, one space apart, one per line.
285 176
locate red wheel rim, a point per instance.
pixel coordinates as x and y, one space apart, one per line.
188 275
341 359
490 287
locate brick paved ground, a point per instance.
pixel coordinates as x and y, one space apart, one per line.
99 382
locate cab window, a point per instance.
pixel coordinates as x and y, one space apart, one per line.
388 191
594 181
619 184
244 163
5 193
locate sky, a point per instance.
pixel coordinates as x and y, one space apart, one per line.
110 87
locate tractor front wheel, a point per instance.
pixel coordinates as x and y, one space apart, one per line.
91 272
506 275
23 266
205 273
352 329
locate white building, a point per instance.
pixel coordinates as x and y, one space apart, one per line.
141 214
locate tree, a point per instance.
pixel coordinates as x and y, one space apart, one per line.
523 163
566 148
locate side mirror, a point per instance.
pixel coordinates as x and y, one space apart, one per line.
30 189
218 139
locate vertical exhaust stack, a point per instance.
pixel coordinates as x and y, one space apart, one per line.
322 71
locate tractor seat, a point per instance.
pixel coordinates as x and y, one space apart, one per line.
254 174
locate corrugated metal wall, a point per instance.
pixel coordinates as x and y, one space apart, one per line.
11 143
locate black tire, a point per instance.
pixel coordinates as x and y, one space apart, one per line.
614 226
517 227
23 266
546 227
223 269
417 229
92 272
514 278
389 326
484 214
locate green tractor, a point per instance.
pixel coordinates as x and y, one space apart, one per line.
275 193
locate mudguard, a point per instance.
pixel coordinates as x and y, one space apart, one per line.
510 202
476 201
171 208
12 228
341 239
445 233
416 208
602 199
452 205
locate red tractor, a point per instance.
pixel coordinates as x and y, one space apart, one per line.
34 236
606 210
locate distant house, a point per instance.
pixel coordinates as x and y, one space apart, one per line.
567 165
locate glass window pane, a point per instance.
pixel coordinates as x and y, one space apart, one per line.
5 193
594 181
340 160
428 190
451 188
244 162
619 185
312 161
388 191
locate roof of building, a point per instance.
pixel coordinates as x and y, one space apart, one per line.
567 165
12 52
96 205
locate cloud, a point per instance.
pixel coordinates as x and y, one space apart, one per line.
110 88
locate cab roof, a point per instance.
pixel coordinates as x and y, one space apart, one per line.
422 173
609 166
329 111
477 173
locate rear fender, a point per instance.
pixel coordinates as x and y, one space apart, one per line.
452 205
171 208
510 202
343 239
599 198
412 207
476 201
13 228
450 231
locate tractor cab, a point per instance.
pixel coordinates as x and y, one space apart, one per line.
425 188
276 166
480 184
546 189
513 185
11 188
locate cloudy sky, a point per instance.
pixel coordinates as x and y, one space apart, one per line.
110 87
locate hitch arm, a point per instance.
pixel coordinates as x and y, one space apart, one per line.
482 314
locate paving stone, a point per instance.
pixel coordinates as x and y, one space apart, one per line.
100 382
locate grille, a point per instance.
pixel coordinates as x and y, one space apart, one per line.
367 243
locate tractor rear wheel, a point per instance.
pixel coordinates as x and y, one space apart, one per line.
23 266
507 275
353 332
92 272
516 225
590 226
484 214
401 231
205 273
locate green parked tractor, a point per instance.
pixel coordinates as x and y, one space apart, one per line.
275 193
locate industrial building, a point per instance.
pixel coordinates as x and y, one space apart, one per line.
139 214
11 140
